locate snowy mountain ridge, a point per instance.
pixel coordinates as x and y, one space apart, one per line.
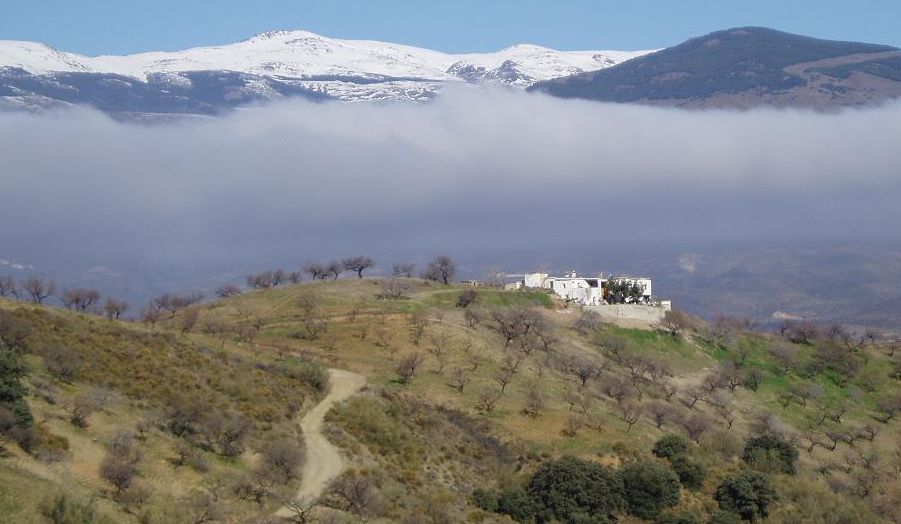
334 68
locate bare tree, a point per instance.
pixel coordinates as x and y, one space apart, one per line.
358 264
403 270
8 288
228 290
188 320
798 331
786 355
295 277
407 367
535 400
418 322
587 323
675 322
283 458
459 379
334 268
358 492
488 400
503 376
630 413
661 413
691 396
584 369
114 309
439 343
441 269
80 299
316 270
82 407
38 289
395 288
696 425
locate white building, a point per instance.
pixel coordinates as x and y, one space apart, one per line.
585 291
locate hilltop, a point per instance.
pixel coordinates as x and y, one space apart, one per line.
470 394
746 67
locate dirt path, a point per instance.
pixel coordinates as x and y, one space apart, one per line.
324 462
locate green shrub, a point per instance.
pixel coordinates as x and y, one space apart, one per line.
724 517
771 452
669 446
691 474
62 508
485 499
747 494
649 488
573 490
678 518
12 391
516 503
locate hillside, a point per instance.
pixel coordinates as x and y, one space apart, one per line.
746 67
465 412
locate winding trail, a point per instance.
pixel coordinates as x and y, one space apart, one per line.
324 462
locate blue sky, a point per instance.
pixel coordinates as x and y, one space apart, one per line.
126 26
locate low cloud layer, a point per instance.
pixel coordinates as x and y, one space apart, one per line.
493 178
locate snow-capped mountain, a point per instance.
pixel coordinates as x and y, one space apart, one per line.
269 66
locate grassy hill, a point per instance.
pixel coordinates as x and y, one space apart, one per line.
746 65
464 406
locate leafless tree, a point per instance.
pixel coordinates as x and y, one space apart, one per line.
439 345
535 400
294 277
661 413
584 369
572 426
441 269
188 320
408 366
696 425
8 288
395 288
358 492
488 400
587 323
668 389
114 309
283 458
228 290
460 377
150 315
202 507
418 322
798 331
119 467
403 270
334 269
80 299
264 280
691 396
786 355
358 265
630 413
317 271
82 407
675 322
503 376
38 289
888 408
617 389
472 316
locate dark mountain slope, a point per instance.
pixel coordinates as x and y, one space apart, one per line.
746 67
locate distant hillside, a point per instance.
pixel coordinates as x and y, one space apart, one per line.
746 67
